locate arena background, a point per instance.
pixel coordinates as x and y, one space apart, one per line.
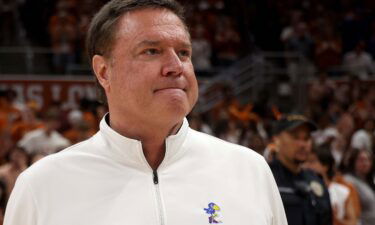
255 60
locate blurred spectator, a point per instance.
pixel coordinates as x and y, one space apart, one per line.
362 108
359 167
322 162
26 123
83 26
226 42
290 30
87 109
363 138
321 92
301 41
227 130
328 50
79 130
18 162
359 62
328 134
45 140
63 33
201 49
8 113
345 125
197 122
8 116
255 142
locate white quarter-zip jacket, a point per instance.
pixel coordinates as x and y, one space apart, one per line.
106 180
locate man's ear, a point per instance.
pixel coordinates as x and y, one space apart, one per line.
276 141
101 69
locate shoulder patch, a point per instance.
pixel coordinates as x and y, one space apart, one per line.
317 188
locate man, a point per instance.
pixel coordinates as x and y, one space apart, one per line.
47 139
363 138
145 165
305 198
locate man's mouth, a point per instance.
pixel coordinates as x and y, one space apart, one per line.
170 88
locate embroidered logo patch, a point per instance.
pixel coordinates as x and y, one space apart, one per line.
212 211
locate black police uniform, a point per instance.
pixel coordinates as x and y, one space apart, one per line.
305 197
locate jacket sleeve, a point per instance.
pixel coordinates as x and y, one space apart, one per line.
21 208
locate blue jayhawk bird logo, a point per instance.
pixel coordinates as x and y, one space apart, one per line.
211 210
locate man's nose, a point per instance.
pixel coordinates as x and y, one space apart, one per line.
172 65
304 144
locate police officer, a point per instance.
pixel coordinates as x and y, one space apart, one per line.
305 198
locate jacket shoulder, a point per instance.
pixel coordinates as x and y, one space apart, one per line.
206 142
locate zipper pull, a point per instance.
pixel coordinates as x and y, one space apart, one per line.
156 179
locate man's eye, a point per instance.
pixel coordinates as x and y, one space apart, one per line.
151 51
184 53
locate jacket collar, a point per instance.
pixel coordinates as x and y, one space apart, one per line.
129 151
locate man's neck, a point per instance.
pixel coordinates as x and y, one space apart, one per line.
291 166
152 137
154 154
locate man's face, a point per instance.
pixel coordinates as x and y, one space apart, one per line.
150 76
294 146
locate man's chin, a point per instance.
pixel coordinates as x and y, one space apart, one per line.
299 161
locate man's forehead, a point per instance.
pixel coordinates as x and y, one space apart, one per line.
303 128
150 26
141 19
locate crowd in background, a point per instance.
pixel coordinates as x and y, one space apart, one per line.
62 24
329 34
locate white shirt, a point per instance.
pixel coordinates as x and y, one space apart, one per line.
338 195
106 180
361 139
361 65
37 141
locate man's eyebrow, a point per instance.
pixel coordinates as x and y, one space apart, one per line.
186 45
157 43
148 43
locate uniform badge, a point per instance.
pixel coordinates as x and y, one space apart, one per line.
212 210
317 188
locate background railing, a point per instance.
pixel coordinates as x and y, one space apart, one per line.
281 77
